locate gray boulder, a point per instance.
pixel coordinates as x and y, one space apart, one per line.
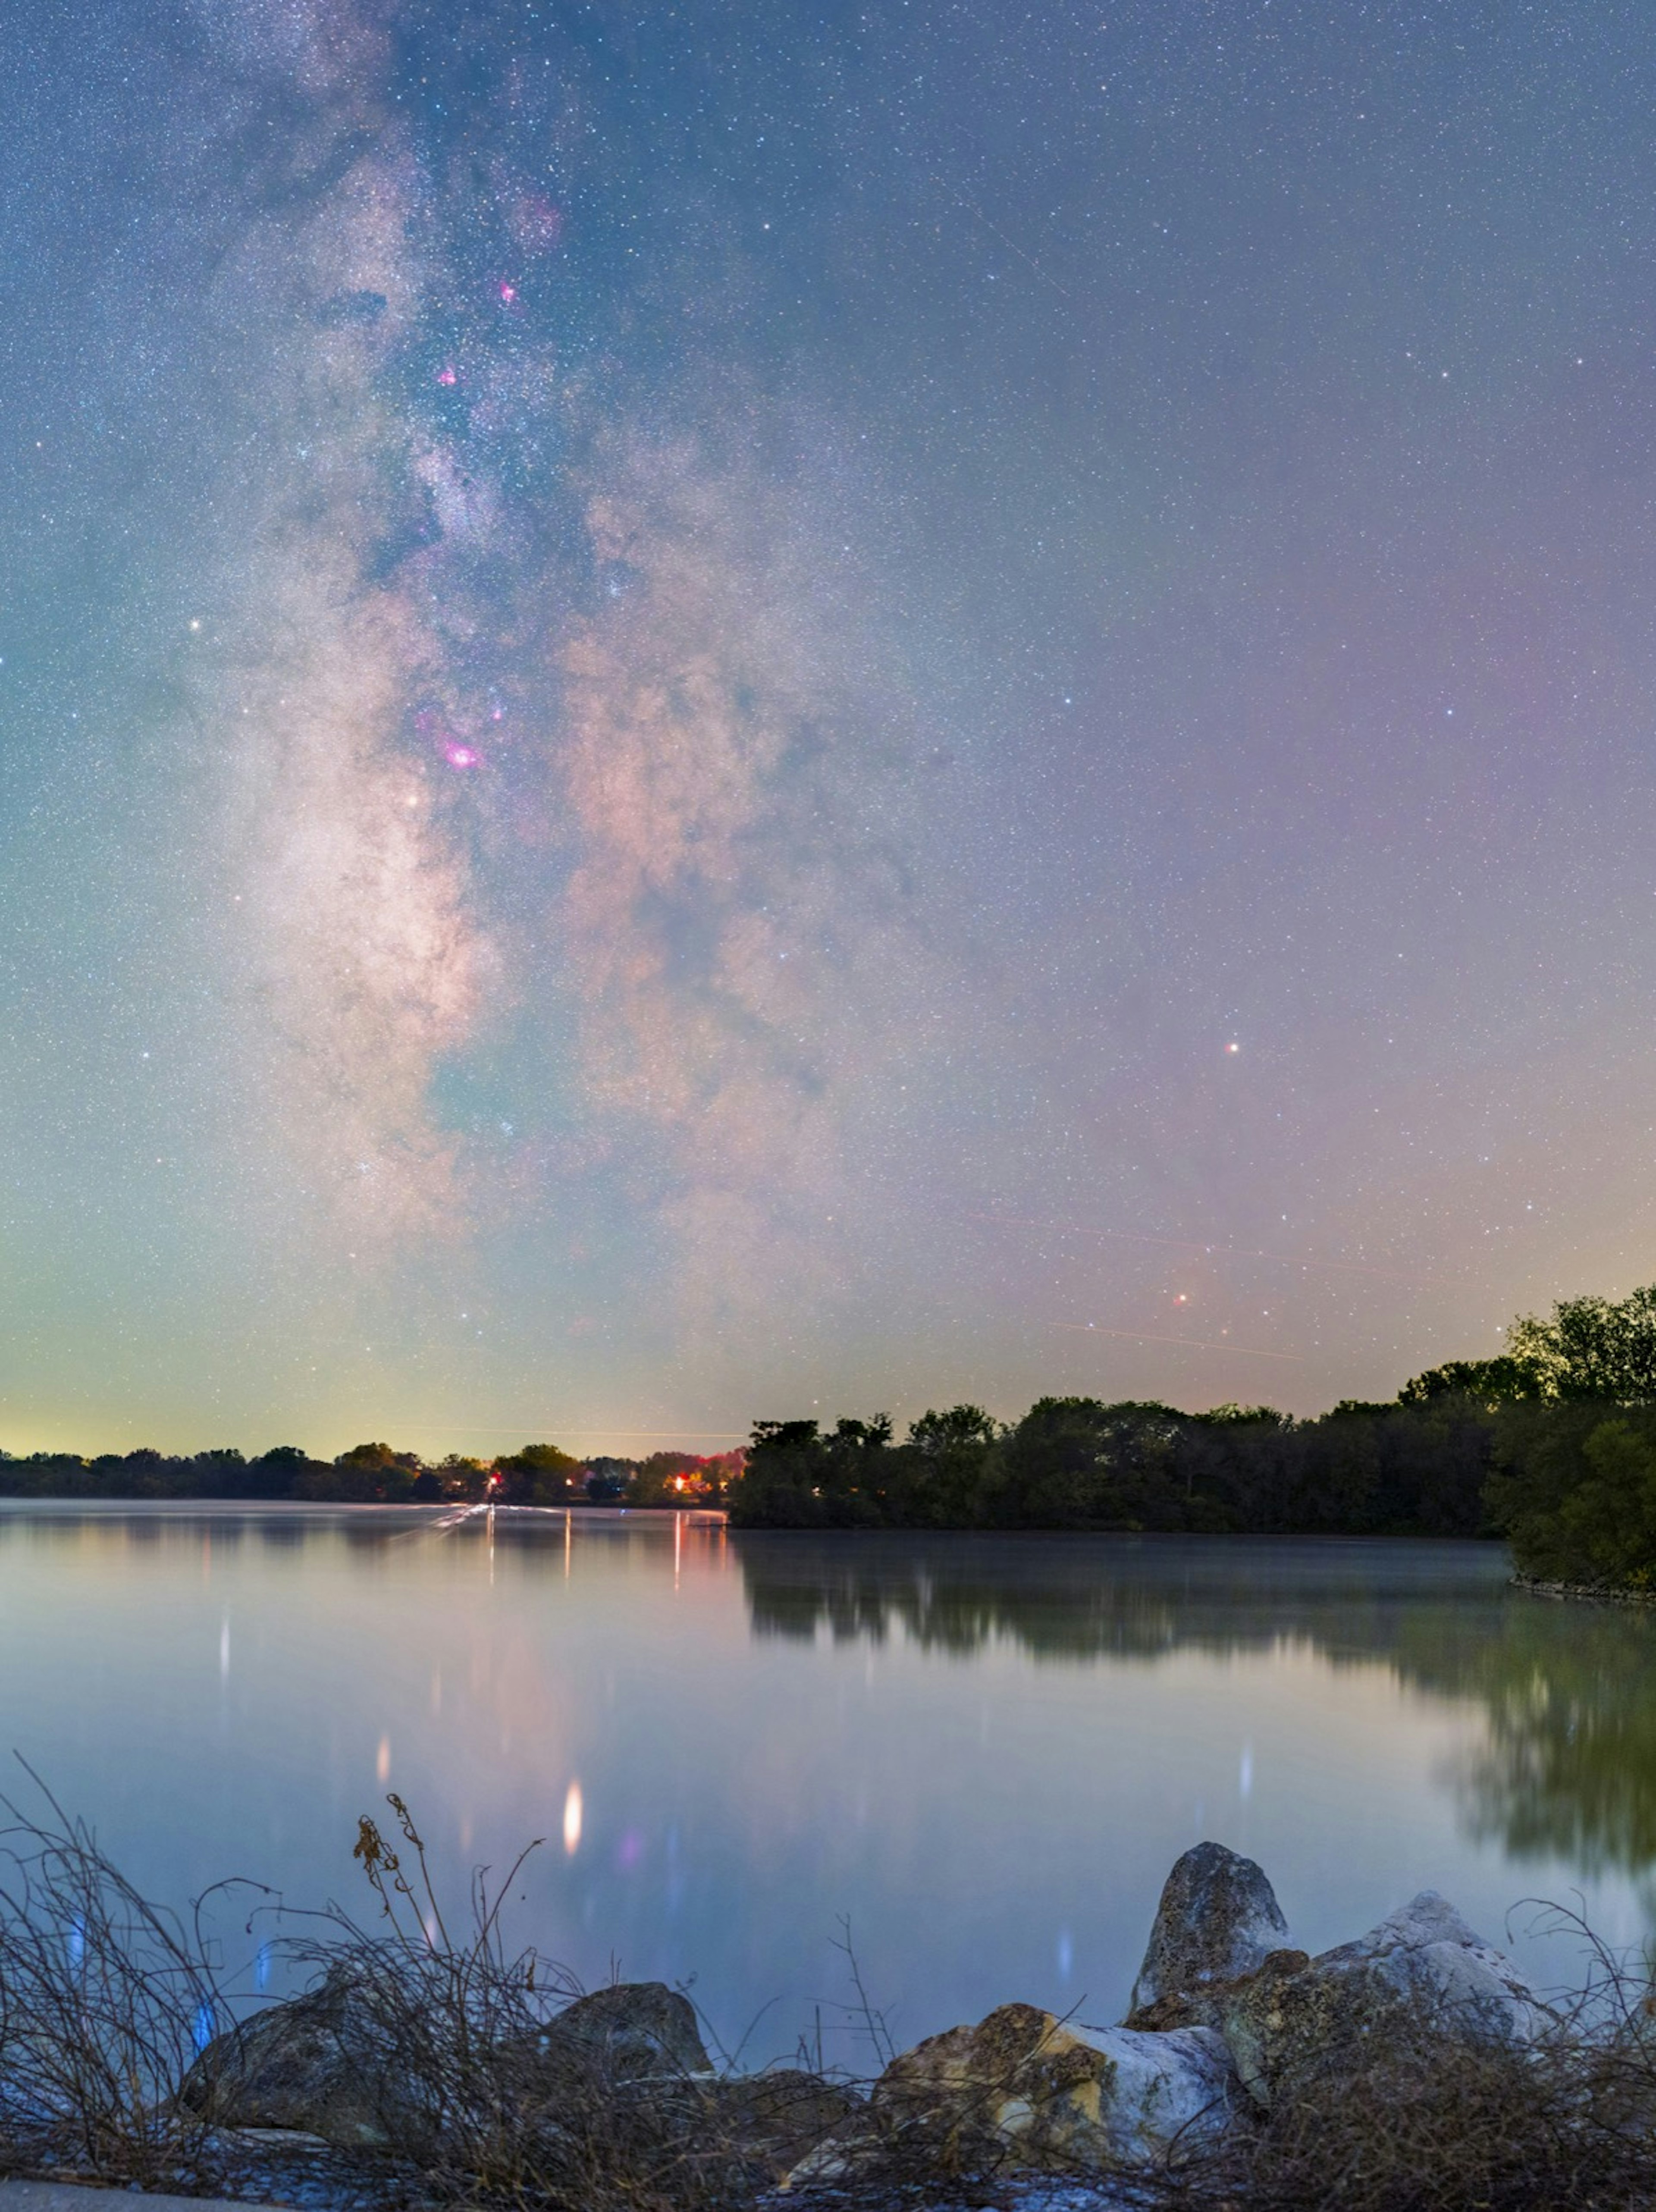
341 2062
1218 1921
632 2031
321 2063
1421 1982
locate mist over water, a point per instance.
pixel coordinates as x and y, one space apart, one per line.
982 1754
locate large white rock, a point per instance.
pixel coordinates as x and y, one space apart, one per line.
1426 1949
1421 1978
1176 2088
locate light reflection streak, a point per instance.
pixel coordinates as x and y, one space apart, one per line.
439 1527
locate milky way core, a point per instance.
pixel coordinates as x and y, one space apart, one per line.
724 712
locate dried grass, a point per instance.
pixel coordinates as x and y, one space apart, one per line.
478 2097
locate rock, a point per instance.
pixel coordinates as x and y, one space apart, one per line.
775 2120
1218 1920
1024 2086
632 2031
1421 1979
321 2064
326 2063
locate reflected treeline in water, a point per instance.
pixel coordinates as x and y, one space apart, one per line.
1115 1597
143 1528
367 1532
1568 1766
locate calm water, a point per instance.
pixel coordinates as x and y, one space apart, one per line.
982 1754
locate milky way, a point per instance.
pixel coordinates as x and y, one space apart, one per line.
711 713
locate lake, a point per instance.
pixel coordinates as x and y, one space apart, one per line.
980 1754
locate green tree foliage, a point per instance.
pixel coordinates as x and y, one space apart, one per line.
936 1480
1502 1380
680 1479
607 1481
1573 1485
366 1474
541 1474
1591 1348
1080 1463
1574 1490
1076 1463
798 1478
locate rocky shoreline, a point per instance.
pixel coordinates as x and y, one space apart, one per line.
1230 2031
1585 1593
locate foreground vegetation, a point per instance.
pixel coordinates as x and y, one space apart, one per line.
447 2069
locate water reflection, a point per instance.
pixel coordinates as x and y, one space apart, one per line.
985 1751
1119 1597
1566 1768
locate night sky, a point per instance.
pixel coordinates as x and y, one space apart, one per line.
726 709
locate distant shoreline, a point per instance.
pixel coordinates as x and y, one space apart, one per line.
189 1507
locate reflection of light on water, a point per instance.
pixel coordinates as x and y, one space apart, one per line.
382 1764
568 1541
224 1650
572 1819
1070 1691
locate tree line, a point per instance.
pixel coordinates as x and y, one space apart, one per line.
375 1474
1552 1444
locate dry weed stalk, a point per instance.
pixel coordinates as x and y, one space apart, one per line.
106 2001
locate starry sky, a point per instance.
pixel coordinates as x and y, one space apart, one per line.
712 710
